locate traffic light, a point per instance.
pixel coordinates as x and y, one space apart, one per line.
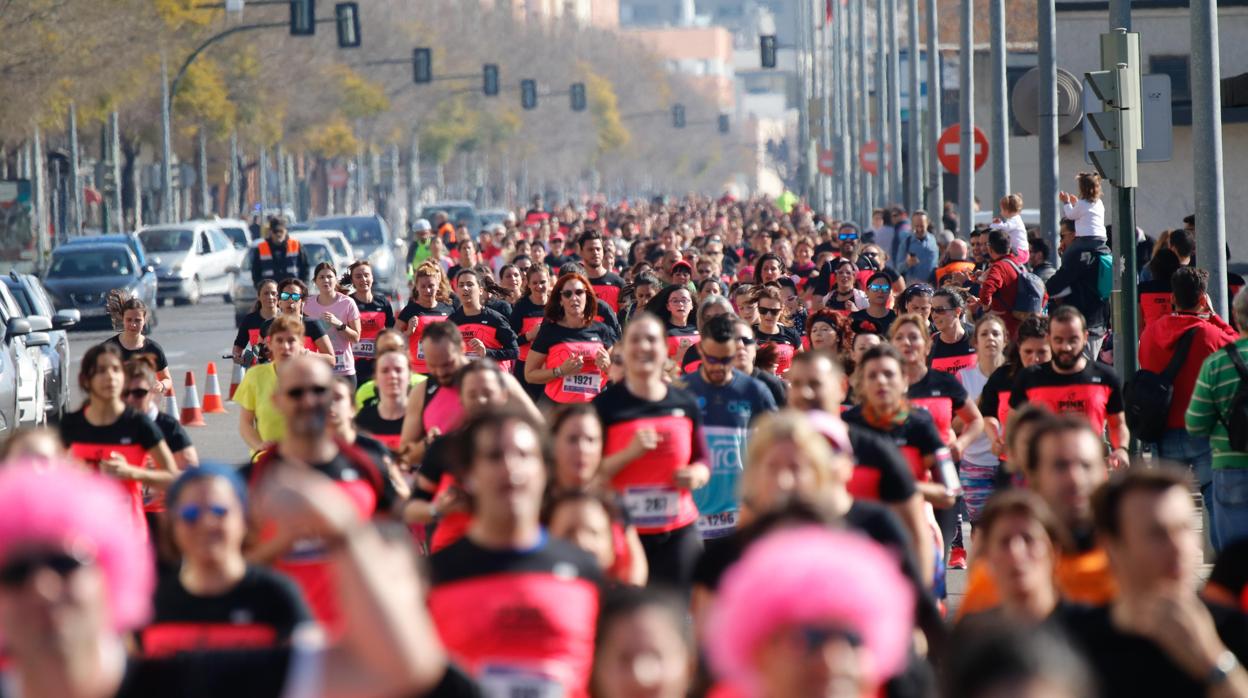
767 50
489 79
678 115
302 17
578 96
422 65
724 124
528 94
347 22
1118 124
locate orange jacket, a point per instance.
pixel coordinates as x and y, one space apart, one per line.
1083 578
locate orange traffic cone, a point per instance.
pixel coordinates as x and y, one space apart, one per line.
236 377
212 392
192 411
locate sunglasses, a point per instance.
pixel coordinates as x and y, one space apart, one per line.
136 393
878 287
570 292
747 341
814 637
717 360
847 236
768 311
288 296
941 311
16 571
316 390
192 513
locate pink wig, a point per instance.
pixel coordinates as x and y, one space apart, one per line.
810 575
62 504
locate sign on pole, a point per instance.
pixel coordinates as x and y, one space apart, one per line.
869 157
949 143
827 161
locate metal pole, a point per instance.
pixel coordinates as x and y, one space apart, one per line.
283 195
413 174
914 163
999 138
894 106
803 95
966 118
205 201
881 111
853 137
846 172
1207 150
114 137
935 173
830 185
1047 123
234 207
262 170
863 90
75 176
166 144
41 200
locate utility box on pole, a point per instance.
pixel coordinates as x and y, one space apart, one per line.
1119 125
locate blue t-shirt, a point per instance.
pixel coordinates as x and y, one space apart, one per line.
727 412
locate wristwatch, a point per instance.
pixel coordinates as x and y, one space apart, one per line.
1222 668
558 372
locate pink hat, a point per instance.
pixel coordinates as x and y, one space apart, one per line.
60 504
810 575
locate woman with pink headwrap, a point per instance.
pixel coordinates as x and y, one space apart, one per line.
810 612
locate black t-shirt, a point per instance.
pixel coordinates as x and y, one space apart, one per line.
414 309
608 288
342 469
951 357
524 309
375 316
916 438
491 328
379 454
262 610
131 428
499 306
370 420
608 317
1230 571
779 392
941 395
1130 665
861 322
252 321
553 334
994 400
871 450
784 335
175 436
1094 392
149 347
313 329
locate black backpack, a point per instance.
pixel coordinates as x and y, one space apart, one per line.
1148 394
1031 292
1236 418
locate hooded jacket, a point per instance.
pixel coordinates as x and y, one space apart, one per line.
1159 342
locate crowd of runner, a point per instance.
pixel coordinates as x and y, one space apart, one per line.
687 448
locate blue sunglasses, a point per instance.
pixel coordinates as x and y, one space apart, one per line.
192 513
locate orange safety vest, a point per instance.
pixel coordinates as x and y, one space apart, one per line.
266 252
266 260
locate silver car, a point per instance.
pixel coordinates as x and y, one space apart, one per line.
191 260
37 307
244 294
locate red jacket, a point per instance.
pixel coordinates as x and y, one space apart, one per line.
1159 341
999 291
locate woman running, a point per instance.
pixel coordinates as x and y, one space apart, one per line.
141 396
383 419
569 355
979 464
132 314
111 437
215 600
249 335
845 297
376 314
259 421
773 328
643 289
511 281
878 316
653 454
674 308
526 320
829 330
291 295
340 314
1031 347
487 334
917 300
953 347
387 341
430 303
767 268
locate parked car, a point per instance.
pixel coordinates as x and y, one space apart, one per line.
26 340
37 307
493 216
191 260
335 239
370 238
130 240
244 294
458 212
81 275
239 233
10 332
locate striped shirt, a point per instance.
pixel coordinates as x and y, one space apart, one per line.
1215 387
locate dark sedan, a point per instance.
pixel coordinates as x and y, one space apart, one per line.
81 275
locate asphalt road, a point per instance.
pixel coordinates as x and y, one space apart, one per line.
191 337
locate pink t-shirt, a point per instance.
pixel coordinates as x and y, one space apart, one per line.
346 311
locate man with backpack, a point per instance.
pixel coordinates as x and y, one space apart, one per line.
1167 351
1008 288
1085 280
1219 411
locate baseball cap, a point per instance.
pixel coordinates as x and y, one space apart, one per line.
422 225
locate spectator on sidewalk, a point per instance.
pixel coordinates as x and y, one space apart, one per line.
1207 415
999 289
1077 283
1157 346
919 251
1039 259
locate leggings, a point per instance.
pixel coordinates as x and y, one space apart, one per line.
672 556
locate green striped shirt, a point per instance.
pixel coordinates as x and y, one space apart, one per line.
1211 400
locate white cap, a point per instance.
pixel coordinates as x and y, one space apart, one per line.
422 225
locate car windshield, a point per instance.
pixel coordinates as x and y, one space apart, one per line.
237 236
359 231
167 240
86 263
318 252
23 298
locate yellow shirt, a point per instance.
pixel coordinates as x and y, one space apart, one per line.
255 394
